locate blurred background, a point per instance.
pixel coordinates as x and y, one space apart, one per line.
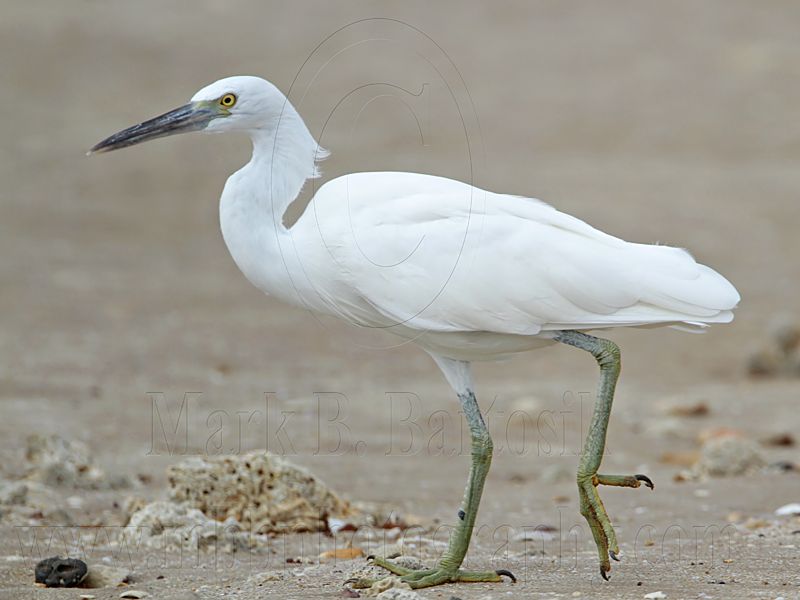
656 122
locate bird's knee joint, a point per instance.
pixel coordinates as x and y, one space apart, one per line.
608 354
484 446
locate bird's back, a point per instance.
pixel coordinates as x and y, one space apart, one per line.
434 254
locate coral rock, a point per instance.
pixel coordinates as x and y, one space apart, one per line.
727 456
263 492
165 525
57 462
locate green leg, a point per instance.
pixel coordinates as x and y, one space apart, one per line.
607 355
448 570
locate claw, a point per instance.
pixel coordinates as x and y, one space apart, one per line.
646 480
603 573
507 573
613 555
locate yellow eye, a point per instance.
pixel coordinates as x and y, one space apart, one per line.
227 100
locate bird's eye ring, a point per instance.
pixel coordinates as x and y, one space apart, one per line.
227 100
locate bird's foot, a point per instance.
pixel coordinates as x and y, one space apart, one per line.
421 578
595 513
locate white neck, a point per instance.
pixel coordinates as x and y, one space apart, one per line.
256 197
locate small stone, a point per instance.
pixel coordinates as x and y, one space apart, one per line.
754 523
133 594
655 595
765 362
699 409
782 466
102 576
60 572
680 459
710 433
788 510
734 517
86 597
336 525
342 554
728 456
779 439
786 333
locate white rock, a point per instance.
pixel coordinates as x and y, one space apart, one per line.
655 595
164 525
102 576
787 510
54 461
134 594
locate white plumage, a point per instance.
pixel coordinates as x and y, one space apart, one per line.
440 255
460 270
465 273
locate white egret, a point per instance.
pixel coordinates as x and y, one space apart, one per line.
465 273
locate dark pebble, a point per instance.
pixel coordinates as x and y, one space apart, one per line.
61 572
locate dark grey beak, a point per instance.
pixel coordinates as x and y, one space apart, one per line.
189 117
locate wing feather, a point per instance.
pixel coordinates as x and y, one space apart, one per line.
440 255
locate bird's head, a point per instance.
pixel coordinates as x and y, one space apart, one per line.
240 103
